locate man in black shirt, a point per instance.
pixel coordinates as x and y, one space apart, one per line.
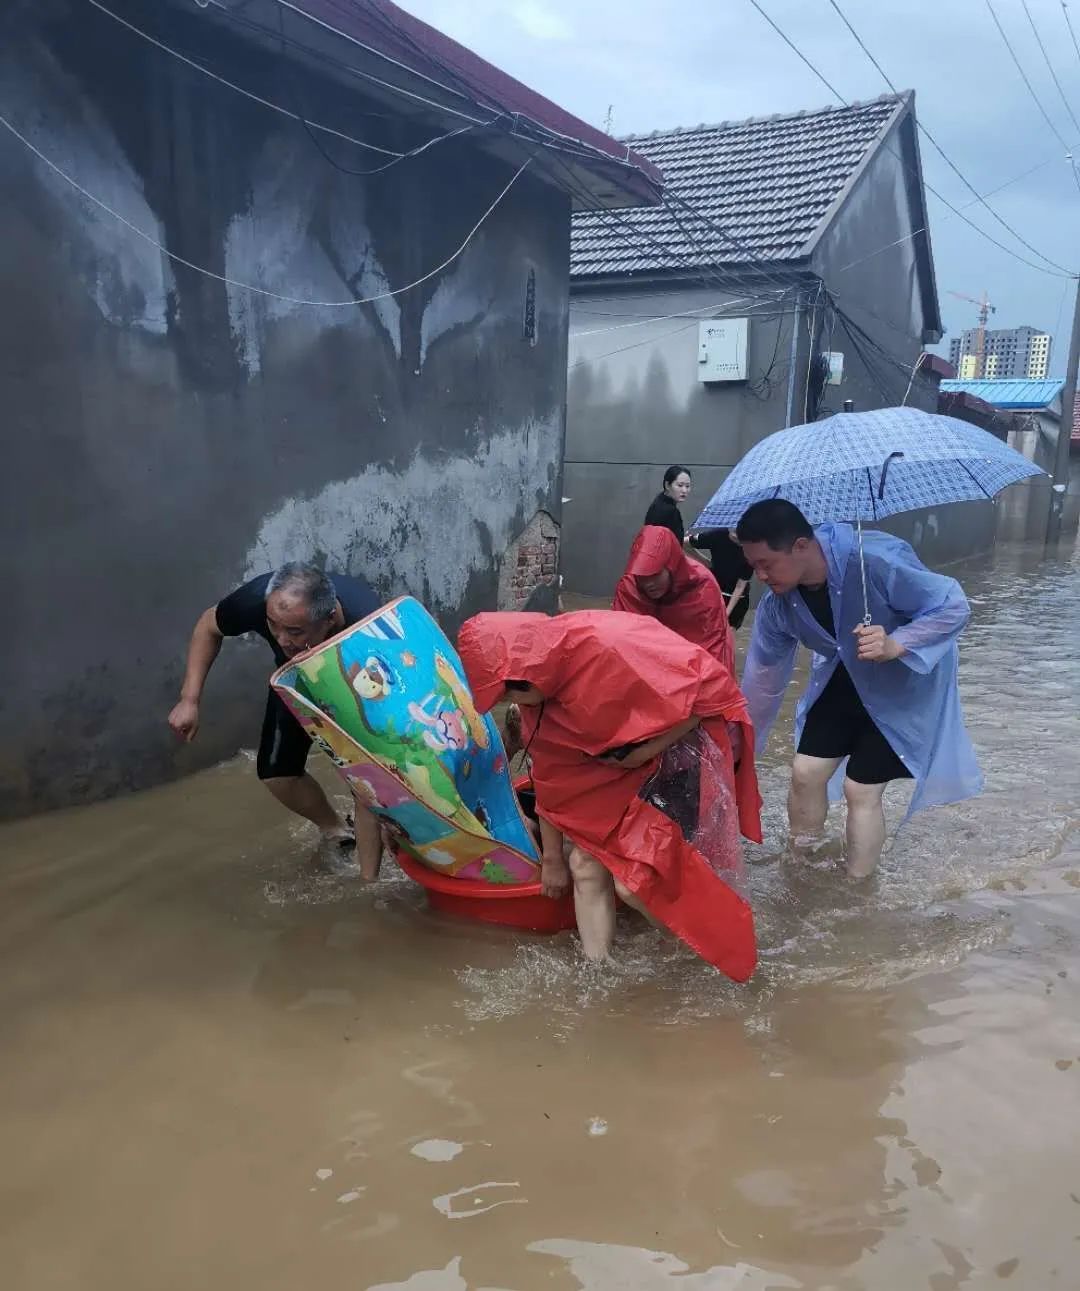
730 569
293 609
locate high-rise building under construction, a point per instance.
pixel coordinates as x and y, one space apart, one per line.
1009 352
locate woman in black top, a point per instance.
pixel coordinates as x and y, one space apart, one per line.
664 510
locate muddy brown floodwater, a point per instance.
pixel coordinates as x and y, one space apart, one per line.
220 1068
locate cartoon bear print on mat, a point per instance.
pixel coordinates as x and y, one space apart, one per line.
375 680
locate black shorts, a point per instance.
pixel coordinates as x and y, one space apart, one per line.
283 745
838 726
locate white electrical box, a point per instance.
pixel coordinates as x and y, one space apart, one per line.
722 345
836 367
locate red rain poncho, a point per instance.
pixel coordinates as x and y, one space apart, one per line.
667 831
694 604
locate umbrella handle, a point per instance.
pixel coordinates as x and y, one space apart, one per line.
884 472
867 620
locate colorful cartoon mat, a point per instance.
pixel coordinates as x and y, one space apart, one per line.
387 701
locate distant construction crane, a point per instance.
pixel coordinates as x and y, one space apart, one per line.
985 310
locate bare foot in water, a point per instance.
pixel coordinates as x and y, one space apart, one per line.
861 870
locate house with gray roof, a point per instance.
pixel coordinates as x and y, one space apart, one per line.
787 269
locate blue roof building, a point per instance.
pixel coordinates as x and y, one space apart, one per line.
1013 395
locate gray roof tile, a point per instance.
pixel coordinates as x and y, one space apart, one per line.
766 183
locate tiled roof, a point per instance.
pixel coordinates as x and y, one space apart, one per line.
1004 392
767 182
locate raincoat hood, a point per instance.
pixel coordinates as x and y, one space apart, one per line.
497 648
618 679
655 549
693 606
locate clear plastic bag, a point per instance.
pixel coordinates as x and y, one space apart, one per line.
694 787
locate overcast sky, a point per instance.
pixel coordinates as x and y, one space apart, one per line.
662 63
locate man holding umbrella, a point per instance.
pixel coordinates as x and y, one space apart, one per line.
882 696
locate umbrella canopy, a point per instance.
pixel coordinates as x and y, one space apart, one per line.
869 465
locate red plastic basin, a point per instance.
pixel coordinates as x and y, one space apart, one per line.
515 905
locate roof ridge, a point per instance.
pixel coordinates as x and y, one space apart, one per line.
830 109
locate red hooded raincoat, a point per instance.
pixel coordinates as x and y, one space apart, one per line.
667 831
694 604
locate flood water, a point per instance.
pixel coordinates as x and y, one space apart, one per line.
223 1068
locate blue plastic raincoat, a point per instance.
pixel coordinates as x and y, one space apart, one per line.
913 700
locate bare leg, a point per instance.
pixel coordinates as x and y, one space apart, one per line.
627 898
594 904
369 842
865 827
808 800
304 796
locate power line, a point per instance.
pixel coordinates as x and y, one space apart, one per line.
649 340
901 331
871 371
468 92
925 131
246 286
1031 88
1068 23
636 235
798 52
308 124
459 85
1024 75
922 229
239 89
903 366
1050 66
672 194
836 93
686 313
521 126
302 118
469 97
235 16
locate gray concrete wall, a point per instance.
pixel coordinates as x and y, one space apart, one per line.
635 406
168 436
867 258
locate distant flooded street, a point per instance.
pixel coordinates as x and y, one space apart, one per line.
226 1068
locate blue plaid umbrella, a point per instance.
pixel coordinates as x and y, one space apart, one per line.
869 465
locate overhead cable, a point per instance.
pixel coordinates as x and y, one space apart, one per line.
925 132
834 91
239 89
247 286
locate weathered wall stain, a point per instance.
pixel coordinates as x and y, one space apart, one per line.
166 436
411 530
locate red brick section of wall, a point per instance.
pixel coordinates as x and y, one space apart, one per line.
537 565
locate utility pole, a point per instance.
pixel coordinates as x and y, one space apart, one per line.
1064 436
